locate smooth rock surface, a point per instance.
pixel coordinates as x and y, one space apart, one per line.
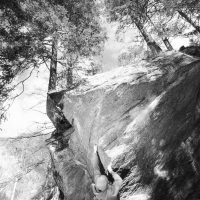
145 118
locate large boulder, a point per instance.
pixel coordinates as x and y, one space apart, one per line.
145 117
193 50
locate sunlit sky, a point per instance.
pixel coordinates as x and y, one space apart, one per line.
28 110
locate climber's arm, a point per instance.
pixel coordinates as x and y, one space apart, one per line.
117 181
93 189
95 162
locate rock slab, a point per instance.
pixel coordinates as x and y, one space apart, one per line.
145 117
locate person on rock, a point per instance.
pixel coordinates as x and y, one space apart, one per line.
102 188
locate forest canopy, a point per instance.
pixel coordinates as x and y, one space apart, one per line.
59 34
38 32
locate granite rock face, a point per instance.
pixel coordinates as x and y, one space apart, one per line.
145 117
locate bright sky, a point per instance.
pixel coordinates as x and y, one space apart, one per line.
23 119
28 110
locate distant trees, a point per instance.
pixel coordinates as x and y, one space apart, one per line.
157 18
81 38
135 13
189 10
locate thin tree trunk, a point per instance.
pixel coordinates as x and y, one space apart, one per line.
167 44
53 65
69 76
54 112
187 18
154 47
165 40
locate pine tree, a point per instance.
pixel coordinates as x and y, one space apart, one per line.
135 13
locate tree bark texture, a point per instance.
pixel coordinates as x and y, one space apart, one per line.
154 47
53 65
69 76
167 44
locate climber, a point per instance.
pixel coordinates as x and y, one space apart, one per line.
102 188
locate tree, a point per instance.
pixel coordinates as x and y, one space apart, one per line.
160 29
57 33
133 12
165 27
21 46
38 32
189 20
186 10
82 37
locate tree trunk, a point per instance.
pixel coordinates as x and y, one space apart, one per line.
53 65
53 111
154 47
165 40
182 14
69 76
167 44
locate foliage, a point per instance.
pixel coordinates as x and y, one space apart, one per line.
133 13
172 6
133 53
167 27
188 10
28 29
